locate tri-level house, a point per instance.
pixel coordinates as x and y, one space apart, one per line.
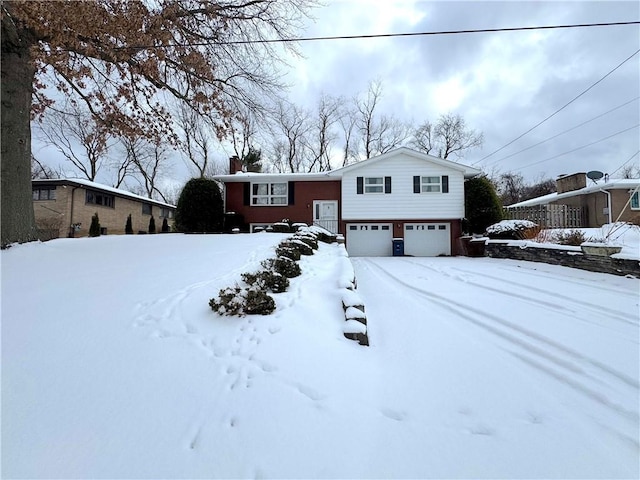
400 195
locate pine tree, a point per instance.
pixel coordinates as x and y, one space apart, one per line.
94 229
152 225
482 205
128 229
165 225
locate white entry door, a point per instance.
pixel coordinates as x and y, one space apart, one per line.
325 214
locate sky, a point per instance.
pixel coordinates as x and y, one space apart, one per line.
502 83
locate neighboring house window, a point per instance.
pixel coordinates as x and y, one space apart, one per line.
269 193
97 198
44 193
146 209
635 201
166 212
431 184
373 185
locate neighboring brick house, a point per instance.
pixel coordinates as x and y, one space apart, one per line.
64 207
603 202
403 195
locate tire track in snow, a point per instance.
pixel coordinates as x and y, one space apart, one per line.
611 313
547 356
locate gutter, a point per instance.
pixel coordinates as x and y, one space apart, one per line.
608 193
72 229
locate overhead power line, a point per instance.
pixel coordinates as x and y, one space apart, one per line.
581 147
561 108
381 35
627 161
566 131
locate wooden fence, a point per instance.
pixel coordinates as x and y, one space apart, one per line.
549 216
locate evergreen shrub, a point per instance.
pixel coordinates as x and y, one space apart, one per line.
128 228
482 205
200 207
94 229
152 225
282 265
267 280
289 250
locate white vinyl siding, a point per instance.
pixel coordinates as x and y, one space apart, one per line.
402 203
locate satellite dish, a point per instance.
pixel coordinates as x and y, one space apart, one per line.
595 175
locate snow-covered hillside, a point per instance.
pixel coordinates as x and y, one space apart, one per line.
114 366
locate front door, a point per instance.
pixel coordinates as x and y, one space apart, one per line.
325 214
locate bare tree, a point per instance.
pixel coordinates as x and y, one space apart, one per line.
119 58
347 122
630 171
423 139
290 130
196 139
390 133
77 135
41 171
322 135
365 122
148 159
453 136
511 187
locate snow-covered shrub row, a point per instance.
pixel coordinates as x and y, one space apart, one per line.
253 299
513 230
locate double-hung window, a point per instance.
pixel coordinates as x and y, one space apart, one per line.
635 201
431 184
373 185
269 193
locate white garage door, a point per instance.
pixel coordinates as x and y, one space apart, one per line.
369 239
427 239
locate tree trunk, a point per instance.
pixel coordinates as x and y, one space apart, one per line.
18 72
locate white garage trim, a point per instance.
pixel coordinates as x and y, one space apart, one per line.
370 239
427 239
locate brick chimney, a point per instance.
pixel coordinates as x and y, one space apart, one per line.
569 183
235 165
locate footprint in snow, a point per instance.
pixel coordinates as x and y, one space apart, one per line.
393 414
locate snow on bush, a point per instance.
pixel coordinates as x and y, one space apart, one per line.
282 265
354 326
267 280
238 301
513 229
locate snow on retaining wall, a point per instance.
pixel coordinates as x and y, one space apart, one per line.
562 256
355 327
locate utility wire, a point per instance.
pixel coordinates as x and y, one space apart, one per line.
562 133
580 148
379 35
561 108
620 167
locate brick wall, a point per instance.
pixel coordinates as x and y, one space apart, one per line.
567 258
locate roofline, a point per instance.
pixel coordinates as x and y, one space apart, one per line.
74 182
619 184
468 172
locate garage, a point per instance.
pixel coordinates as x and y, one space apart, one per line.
427 239
369 239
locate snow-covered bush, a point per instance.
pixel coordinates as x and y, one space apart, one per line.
289 250
309 239
242 301
282 265
513 230
267 280
570 237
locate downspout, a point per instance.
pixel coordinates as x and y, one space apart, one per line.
72 229
608 193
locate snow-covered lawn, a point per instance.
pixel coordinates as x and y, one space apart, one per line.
114 366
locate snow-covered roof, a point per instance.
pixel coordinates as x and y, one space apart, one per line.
99 186
336 174
552 197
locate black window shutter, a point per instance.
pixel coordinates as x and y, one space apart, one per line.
292 193
445 184
360 185
387 184
416 184
246 193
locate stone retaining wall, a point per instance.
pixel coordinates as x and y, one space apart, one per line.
567 258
